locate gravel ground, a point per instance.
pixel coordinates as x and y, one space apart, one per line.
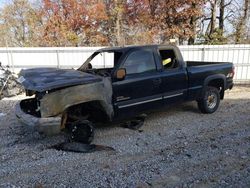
179 147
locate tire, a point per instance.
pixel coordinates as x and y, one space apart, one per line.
82 131
210 100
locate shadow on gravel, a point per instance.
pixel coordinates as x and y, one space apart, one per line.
80 147
190 107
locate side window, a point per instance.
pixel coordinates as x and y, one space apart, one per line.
139 62
169 60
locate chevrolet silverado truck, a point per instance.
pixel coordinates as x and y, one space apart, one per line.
131 81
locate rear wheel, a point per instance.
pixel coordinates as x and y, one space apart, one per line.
210 100
82 131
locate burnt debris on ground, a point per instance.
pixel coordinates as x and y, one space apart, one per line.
136 123
80 147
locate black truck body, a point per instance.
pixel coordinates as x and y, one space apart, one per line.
139 80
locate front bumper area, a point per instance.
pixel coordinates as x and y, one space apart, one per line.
48 126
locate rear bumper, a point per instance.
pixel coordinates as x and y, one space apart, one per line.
230 84
48 126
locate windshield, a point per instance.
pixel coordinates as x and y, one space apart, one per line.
101 60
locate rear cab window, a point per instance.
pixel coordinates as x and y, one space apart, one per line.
168 59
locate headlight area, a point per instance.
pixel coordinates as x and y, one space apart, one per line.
28 113
31 106
29 92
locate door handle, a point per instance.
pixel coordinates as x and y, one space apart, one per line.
157 81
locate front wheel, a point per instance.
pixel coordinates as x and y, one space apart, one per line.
210 100
82 131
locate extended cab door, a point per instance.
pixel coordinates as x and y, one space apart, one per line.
174 76
140 90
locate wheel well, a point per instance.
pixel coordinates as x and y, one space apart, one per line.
219 84
92 111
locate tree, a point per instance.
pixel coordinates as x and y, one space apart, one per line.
212 4
217 14
240 32
224 14
194 21
120 22
166 19
72 22
19 24
114 26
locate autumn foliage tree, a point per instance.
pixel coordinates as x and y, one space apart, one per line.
166 19
19 24
114 22
72 22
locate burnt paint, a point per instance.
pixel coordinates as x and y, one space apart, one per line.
44 79
57 102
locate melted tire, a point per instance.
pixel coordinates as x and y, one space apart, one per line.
203 103
82 131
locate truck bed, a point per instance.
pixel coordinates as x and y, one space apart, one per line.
199 71
202 63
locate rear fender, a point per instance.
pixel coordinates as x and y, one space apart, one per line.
217 80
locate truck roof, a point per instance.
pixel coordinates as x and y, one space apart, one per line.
126 48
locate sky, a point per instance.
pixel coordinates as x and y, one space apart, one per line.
4 2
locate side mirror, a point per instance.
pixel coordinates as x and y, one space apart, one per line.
89 66
120 74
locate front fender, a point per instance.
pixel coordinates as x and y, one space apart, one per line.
58 101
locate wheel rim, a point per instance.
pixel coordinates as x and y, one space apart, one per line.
83 132
211 100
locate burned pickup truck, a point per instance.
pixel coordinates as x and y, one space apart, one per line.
131 81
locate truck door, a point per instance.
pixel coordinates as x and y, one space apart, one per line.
174 77
140 90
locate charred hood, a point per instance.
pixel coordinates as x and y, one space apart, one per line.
45 79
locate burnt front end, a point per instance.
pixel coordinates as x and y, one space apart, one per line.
56 92
28 112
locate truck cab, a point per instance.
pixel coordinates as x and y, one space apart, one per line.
146 82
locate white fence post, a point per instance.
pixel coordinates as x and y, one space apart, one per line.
202 53
58 59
